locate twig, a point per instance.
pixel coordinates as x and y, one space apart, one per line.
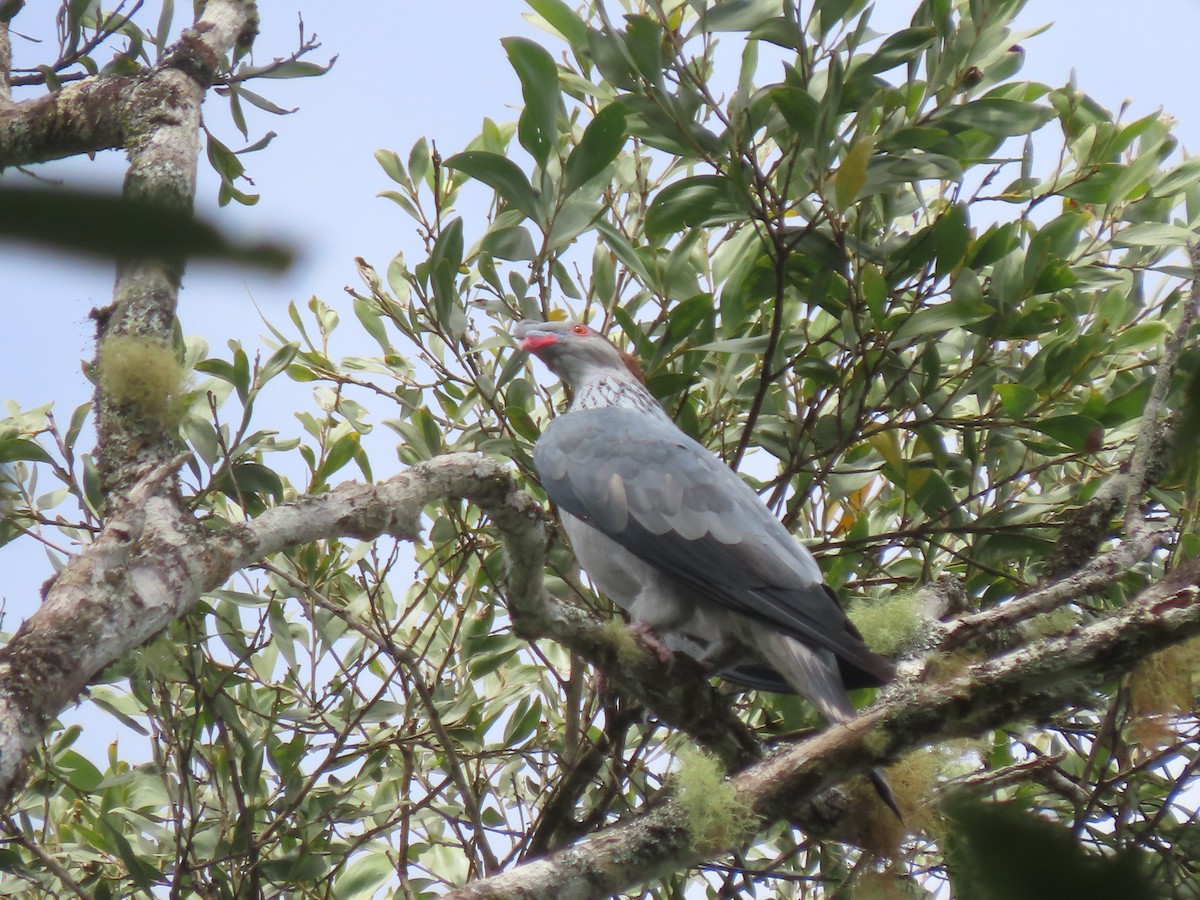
405 659
47 860
1099 573
1173 345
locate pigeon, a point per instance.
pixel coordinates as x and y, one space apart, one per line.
677 539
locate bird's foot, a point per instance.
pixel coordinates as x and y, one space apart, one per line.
647 636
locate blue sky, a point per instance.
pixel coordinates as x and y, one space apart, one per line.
435 69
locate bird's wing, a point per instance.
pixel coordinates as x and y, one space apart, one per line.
646 485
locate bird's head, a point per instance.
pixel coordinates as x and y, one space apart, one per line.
573 351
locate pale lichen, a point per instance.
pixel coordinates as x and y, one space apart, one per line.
623 641
143 373
1163 686
716 815
1057 621
891 624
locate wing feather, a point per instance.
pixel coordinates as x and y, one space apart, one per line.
669 501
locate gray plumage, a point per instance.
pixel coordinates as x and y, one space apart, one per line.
676 538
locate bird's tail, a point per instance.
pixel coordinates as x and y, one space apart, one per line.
814 674
884 789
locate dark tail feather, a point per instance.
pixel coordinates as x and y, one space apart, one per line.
813 673
885 792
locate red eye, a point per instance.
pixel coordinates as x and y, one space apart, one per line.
579 329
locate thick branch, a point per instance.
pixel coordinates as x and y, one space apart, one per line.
1031 682
5 65
161 121
150 565
84 117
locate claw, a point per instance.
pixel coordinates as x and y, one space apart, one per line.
646 634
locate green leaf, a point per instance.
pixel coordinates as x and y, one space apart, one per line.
799 108
500 174
644 41
420 162
444 263
278 362
339 454
513 243
611 57
951 234
698 200
250 478
1154 234
602 141
80 771
563 19
14 449
296 68
163 31
389 160
537 128
897 49
1177 180
1016 399
738 15
996 116
366 873
937 319
623 250
141 871
1074 431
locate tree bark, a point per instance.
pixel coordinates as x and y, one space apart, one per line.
1027 683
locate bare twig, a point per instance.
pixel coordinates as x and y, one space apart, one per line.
14 831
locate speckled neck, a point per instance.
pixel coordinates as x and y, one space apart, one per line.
611 389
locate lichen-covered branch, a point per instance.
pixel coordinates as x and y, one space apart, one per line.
161 135
1031 682
5 65
1098 574
1139 463
150 565
78 119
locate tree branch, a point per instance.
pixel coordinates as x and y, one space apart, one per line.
5 65
1139 463
78 119
1030 682
1101 572
161 122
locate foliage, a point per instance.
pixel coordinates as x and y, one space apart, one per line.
846 272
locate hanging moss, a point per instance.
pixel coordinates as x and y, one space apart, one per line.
1162 687
716 816
144 373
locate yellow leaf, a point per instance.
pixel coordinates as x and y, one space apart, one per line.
887 445
853 172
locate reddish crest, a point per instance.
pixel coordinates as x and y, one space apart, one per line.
634 365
